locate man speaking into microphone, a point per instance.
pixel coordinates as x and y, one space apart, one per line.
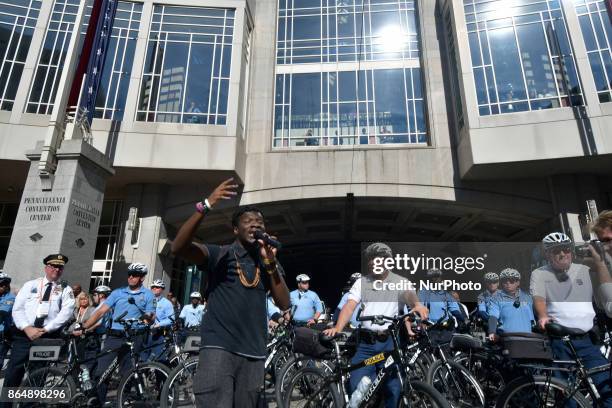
233 347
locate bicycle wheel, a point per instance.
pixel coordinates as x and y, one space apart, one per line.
456 384
539 392
309 388
142 386
178 389
49 378
417 394
288 370
490 377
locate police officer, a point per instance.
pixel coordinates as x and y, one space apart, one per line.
41 308
353 322
101 293
164 318
7 300
510 310
305 303
131 301
441 305
192 314
491 285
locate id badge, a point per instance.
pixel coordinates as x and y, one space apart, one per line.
43 309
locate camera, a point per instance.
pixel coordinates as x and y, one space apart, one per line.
583 251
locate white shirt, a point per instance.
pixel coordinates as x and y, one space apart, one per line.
61 304
569 303
377 301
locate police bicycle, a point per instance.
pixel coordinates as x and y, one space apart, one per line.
313 387
539 387
141 385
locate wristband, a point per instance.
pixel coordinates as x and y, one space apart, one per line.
207 204
202 208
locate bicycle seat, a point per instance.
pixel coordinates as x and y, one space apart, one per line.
557 330
465 342
326 341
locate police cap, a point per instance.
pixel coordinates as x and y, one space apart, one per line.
56 260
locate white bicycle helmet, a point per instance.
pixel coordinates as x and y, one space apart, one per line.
555 239
491 277
509 273
302 278
102 289
195 295
158 283
138 268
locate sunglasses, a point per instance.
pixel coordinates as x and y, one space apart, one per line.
135 274
510 280
558 250
60 267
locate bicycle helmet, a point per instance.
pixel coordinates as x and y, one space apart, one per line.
195 295
102 289
491 277
354 277
434 273
302 278
4 278
509 273
555 239
377 250
158 283
138 268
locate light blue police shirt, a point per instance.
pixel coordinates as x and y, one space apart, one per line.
306 304
118 301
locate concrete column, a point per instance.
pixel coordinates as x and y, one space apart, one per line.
145 243
64 219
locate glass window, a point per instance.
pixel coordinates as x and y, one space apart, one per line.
344 30
109 234
55 45
186 73
112 93
387 109
521 46
17 22
597 32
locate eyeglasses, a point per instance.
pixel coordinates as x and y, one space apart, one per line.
510 280
135 275
558 250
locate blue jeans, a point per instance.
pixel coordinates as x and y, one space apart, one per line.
392 383
591 357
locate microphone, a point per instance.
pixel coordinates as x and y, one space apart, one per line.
258 234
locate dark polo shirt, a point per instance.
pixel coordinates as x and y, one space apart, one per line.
236 315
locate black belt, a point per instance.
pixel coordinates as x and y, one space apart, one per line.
371 336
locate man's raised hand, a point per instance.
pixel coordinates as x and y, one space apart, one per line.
224 191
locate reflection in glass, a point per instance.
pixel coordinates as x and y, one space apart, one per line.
513 65
394 113
344 30
186 77
597 32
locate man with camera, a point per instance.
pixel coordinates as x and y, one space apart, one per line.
234 328
562 292
601 251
